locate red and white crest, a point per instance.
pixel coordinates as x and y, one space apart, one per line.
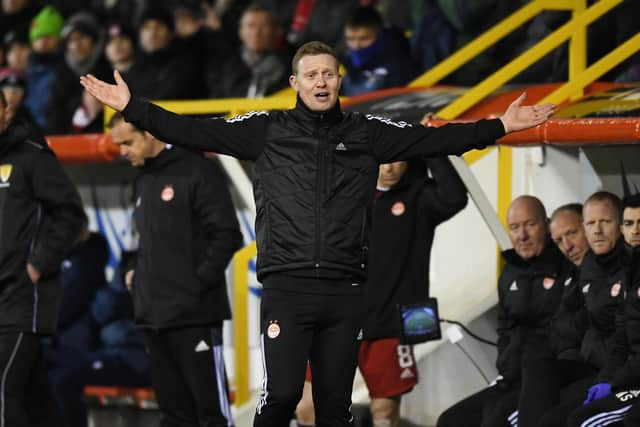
167 193
548 282
273 330
615 289
398 208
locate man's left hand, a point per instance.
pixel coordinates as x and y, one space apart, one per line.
33 273
519 117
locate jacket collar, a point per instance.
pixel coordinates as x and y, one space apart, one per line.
548 261
333 115
595 266
15 134
164 157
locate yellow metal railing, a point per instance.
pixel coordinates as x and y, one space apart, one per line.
573 28
241 321
595 71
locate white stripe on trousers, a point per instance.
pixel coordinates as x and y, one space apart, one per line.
264 393
513 419
606 418
223 396
4 379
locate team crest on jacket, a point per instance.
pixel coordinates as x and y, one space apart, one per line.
5 173
568 281
273 330
398 208
167 193
548 282
615 289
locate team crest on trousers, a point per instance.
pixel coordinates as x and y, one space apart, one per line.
273 330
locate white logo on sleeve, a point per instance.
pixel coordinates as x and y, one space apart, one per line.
341 147
202 346
387 121
246 116
514 286
585 288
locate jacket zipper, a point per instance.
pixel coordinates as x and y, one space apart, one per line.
32 250
365 248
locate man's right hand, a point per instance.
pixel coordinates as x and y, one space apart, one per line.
115 96
128 279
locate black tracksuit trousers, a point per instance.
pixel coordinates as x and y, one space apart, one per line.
25 396
571 397
189 378
543 380
321 328
632 418
494 406
608 411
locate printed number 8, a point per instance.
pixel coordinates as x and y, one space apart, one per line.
404 356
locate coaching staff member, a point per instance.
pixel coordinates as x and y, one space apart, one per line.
314 180
40 217
412 199
188 233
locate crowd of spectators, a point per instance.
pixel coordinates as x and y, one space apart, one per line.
194 49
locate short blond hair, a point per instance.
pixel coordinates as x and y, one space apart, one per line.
311 48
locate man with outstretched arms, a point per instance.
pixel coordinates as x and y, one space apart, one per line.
314 179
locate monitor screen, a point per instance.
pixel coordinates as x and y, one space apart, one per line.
420 322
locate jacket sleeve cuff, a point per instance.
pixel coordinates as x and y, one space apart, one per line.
491 130
134 109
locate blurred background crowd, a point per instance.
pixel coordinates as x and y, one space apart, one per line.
193 49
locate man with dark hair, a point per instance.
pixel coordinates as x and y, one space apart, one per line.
17 49
631 221
378 57
164 69
188 234
40 218
69 110
256 68
314 179
529 291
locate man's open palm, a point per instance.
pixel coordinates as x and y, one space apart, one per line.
115 96
519 117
